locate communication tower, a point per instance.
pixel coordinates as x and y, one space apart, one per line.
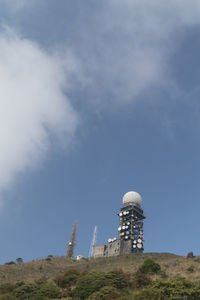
71 244
93 243
131 222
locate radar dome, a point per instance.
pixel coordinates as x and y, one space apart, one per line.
132 198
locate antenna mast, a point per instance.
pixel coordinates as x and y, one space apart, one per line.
93 243
71 244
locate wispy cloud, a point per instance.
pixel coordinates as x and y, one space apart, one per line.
16 6
33 105
126 46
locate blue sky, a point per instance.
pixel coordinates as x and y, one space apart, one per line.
96 99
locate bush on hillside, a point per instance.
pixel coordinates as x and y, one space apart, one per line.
190 255
7 288
141 280
106 292
40 281
94 281
176 289
67 279
117 279
50 290
7 297
145 294
10 263
149 266
190 269
38 292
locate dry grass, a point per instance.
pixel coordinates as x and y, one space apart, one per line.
171 265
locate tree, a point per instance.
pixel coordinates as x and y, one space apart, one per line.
19 260
149 266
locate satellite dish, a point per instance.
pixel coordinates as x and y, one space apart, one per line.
124 213
128 223
127 232
119 228
134 246
126 237
120 214
139 246
139 241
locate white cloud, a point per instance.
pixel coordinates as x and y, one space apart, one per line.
125 50
128 45
33 105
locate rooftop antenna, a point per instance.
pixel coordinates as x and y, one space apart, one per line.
93 243
71 244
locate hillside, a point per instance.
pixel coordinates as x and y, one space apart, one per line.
171 266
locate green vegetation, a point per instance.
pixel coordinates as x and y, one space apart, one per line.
116 284
132 277
95 282
149 267
177 289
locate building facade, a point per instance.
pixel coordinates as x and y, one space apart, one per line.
130 231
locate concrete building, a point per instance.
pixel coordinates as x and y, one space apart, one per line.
130 231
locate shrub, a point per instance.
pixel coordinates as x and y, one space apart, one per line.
38 292
26 290
93 282
67 279
50 290
106 292
149 266
117 279
8 297
10 263
48 258
147 294
176 289
141 280
190 255
7 288
89 284
190 269
40 281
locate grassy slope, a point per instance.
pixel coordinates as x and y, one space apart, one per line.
171 264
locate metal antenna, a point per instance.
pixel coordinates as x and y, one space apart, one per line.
93 243
71 244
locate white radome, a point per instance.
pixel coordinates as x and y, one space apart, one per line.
133 198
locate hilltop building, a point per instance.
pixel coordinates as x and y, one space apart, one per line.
130 231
